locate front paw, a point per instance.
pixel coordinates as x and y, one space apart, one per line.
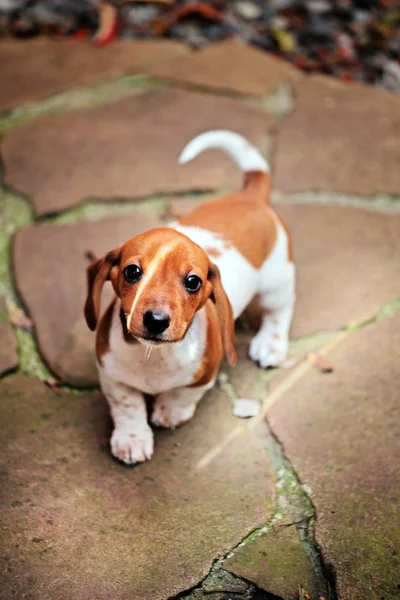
268 352
170 415
132 447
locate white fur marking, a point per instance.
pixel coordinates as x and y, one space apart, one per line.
168 366
239 278
162 253
277 295
132 438
247 156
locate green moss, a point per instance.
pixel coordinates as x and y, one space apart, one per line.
386 311
95 95
380 202
15 212
95 210
30 361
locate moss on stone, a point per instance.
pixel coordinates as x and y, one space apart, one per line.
86 97
30 361
15 212
95 210
383 203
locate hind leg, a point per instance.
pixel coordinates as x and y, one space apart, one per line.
276 296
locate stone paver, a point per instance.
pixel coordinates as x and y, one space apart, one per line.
77 524
128 149
8 342
339 138
36 69
342 435
277 563
228 66
50 273
347 263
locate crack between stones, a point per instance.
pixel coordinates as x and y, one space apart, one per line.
105 92
381 203
217 565
294 506
96 95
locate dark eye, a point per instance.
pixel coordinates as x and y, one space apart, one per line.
192 283
132 273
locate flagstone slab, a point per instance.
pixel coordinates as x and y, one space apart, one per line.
78 524
347 264
8 342
228 66
342 435
50 274
35 69
277 563
127 149
339 138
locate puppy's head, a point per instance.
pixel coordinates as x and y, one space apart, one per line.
162 279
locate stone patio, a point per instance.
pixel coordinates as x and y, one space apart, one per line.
300 502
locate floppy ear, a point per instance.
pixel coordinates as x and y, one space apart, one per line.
97 274
225 314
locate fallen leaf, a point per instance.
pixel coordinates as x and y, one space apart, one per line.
54 385
120 2
200 9
19 319
319 362
303 594
245 408
108 24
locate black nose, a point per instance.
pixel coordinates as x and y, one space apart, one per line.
156 322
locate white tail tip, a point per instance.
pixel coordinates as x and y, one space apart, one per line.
247 156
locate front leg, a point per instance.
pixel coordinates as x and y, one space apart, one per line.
132 438
175 407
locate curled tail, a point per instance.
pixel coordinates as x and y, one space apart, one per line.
247 156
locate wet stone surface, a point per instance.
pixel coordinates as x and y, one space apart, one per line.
339 138
133 143
341 433
76 523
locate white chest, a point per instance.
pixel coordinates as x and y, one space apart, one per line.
163 367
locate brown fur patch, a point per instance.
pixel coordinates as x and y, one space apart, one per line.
243 219
213 352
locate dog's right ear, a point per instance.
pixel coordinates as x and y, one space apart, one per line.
98 272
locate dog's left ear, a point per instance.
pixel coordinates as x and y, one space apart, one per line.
98 272
225 314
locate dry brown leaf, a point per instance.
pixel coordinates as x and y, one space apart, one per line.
120 2
199 9
19 319
54 385
303 594
319 362
108 23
